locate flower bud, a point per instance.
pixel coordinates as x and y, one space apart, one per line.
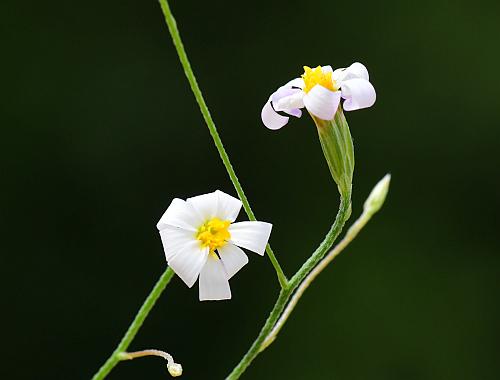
377 196
175 369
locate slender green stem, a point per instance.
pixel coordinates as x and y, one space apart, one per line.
264 332
135 325
179 46
261 342
342 216
349 236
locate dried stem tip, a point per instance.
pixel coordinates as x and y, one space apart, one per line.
175 369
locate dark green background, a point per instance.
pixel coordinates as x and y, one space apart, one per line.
100 132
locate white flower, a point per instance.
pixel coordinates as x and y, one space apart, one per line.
319 90
200 238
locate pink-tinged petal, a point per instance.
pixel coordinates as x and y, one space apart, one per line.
188 262
228 207
251 235
180 214
356 70
233 259
338 75
290 102
271 118
214 283
322 102
295 112
358 93
283 92
297 82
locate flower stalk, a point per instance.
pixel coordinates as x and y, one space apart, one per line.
136 324
257 346
372 205
175 369
195 88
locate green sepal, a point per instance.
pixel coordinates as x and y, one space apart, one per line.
336 142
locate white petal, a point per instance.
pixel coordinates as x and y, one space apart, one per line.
358 93
228 207
214 283
356 70
251 235
290 102
271 119
205 205
322 102
233 259
175 240
179 214
297 82
338 75
188 262
327 69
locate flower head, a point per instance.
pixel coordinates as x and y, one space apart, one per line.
200 239
320 91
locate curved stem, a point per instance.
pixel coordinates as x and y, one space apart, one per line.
175 369
350 235
342 216
258 345
135 325
264 332
179 46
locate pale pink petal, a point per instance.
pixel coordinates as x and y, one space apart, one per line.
358 93
322 102
292 101
295 112
271 118
297 82
356 70
233 259
213 282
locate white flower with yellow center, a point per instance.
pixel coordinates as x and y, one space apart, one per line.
319 90
200 238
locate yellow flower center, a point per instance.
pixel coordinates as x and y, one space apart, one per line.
214 234
315 76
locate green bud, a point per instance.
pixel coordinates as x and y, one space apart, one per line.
336 142
377 197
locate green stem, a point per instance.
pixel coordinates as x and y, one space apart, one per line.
179 46
264 332
319 253
342 216
135 325
304 284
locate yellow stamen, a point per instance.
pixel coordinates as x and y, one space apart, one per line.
315 76
214 234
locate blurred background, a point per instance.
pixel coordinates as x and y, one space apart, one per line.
101 131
